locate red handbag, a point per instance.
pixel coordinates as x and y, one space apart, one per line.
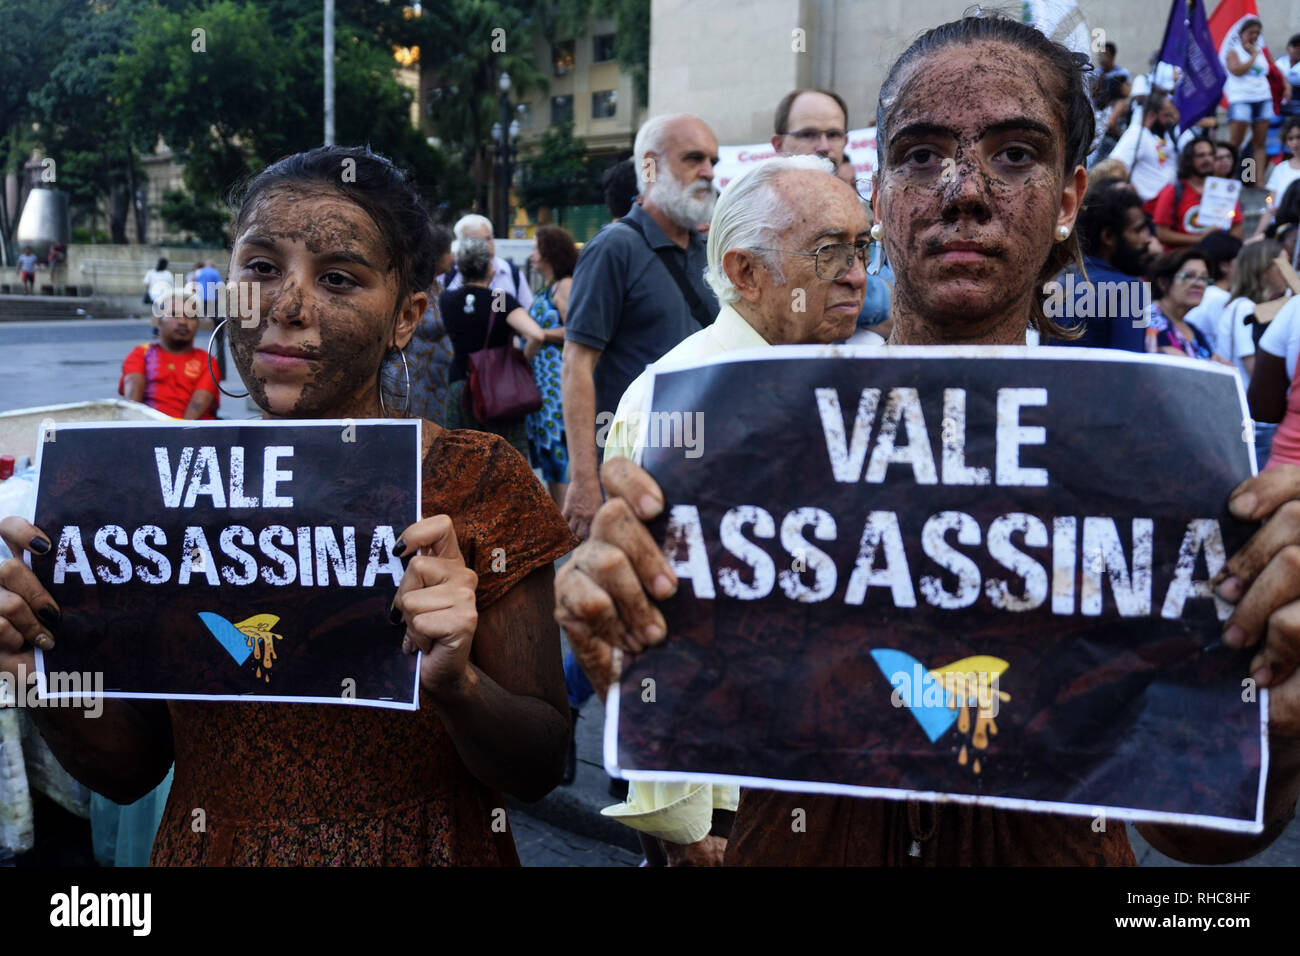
501 384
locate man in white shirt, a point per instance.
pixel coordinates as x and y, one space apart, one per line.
505 275
1152 162
759 250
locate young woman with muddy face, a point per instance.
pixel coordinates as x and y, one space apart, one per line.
342 265
983 124
977 174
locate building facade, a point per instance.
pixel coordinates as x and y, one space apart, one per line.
731 63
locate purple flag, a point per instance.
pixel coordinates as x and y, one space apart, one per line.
1189 46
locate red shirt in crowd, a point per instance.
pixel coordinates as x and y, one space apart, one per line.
170 379
1187 217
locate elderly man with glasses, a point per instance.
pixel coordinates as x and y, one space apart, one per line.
787 259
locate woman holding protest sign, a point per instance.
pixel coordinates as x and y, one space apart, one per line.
342 264
984 125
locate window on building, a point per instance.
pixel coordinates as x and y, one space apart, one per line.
561 110
604 103
562 57
602 47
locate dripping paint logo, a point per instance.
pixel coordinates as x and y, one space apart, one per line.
251 637
942 696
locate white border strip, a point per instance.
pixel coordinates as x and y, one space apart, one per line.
1055 353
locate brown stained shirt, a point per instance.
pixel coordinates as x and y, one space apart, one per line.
770 830
310 784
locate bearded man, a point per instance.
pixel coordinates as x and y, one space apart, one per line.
638 290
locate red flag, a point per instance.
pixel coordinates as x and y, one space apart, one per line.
1225 23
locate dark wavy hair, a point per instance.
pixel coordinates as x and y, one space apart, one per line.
385 193
557 247
1185 156
1076 115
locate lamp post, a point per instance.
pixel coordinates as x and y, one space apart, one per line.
505 137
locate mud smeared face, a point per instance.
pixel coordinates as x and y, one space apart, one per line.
970 187
328 294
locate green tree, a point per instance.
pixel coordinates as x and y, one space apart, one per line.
229 102
632 41
81 125
557 175
26 57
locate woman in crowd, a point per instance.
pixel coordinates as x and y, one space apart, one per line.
1178 282
1250 101
1111 112
1225 160
157 282
554 255
1272 398
429 354
1008 106
342 267
476 317
1287 171
1256 279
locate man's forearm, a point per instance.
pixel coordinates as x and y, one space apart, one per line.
578 394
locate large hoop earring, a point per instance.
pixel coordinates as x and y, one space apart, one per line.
213 338
406 374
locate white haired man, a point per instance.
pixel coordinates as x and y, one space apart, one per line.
638 290
783 225
505 275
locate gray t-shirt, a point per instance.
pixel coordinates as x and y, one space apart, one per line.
625 302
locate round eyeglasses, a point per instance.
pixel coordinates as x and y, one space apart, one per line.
832 261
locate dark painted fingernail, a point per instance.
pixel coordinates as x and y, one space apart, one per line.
49 614
395 615
39 545
399 549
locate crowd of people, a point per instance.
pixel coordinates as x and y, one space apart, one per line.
680 274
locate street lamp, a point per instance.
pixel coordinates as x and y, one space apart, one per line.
505 136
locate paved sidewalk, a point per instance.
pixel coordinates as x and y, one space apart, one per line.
542 844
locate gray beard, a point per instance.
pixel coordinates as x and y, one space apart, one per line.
685 207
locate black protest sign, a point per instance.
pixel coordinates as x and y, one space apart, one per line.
979 574
248 560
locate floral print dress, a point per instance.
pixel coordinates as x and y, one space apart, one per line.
546 448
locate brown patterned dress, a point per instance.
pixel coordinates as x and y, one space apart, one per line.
304 784
843 831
